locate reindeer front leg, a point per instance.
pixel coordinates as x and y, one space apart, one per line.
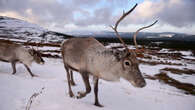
28 69
13 67
96 91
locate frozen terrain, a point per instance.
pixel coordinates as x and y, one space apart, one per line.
17 89
169 75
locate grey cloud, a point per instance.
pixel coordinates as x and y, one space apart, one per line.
101 16
13 5
177 15
85 2
104 15
57 13
180 15
47 12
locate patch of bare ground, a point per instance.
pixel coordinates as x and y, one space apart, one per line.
180 71
175 56
32 43
159 63
190 60
193 52
188 88
51 51
50 55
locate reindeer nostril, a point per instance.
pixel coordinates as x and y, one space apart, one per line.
142 84
42 61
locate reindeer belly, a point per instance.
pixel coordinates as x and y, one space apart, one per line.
5 58
73 63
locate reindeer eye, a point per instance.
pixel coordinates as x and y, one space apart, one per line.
129 54
127 63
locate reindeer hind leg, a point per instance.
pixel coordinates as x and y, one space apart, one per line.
69 82
85 77
72 78
13 63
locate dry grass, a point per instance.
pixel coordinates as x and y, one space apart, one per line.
31 43
163 77
159 63
51 51
180 71
50 56
176 56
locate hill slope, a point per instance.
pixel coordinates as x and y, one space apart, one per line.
13 28
17 89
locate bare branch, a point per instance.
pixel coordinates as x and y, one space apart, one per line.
117 23
28 106
134 36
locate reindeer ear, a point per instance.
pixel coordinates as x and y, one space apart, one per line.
119 54
125 53
31 52
116 54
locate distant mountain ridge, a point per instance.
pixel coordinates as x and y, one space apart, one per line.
20 29
140 36
163 39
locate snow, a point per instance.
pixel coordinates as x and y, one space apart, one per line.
20 25
13 28
183 78
166 35
188 55
17 89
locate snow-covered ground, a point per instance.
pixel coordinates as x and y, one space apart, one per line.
15 91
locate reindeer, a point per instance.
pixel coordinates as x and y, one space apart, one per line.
89 57
14 53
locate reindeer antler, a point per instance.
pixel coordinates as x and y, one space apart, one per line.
135 34
117 23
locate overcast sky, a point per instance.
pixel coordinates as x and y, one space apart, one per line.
98 15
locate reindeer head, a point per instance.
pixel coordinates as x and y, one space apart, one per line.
127 57
36 56
128 67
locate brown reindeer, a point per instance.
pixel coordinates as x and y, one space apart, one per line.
89 57
13 53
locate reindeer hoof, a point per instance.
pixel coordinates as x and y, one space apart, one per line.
98 105
14 73
71 94
35 75
72 83
81 95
